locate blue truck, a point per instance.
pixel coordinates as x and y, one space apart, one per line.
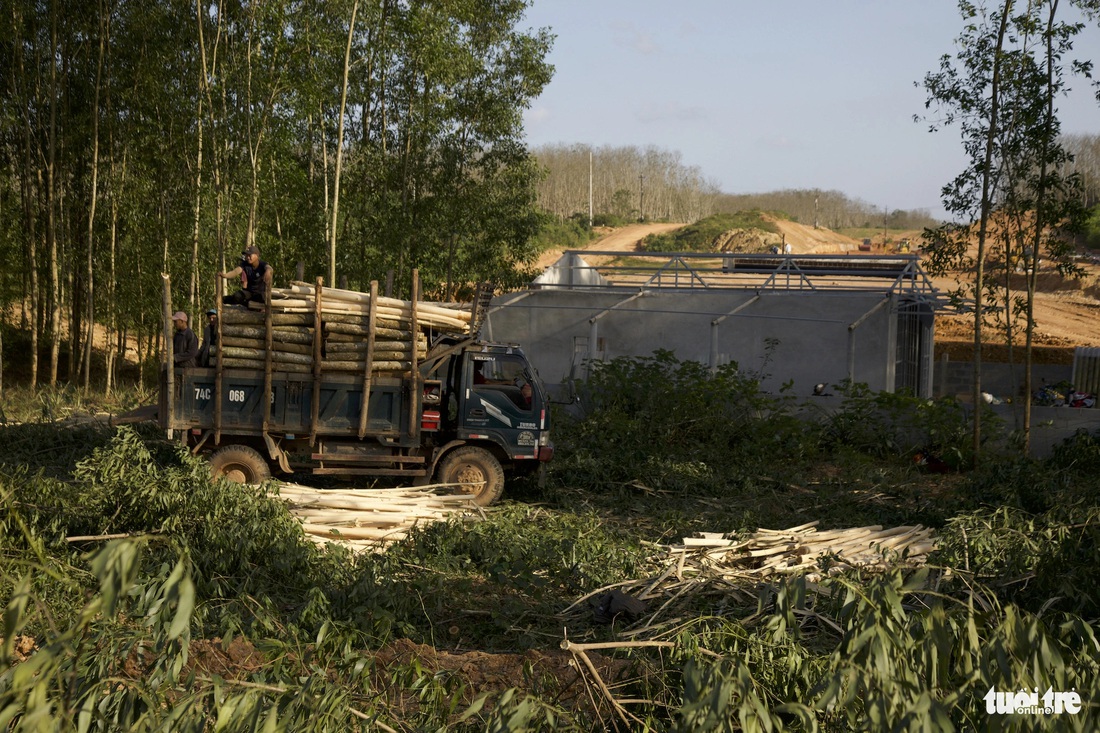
467 413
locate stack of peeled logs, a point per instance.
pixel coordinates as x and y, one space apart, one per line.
345 331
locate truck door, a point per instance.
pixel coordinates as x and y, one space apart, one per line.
500 395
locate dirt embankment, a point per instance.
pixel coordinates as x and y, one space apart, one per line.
808 240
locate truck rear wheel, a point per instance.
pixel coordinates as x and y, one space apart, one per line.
240 464
476 467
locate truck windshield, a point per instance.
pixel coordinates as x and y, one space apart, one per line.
506 375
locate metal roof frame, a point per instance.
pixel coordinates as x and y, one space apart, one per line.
893 274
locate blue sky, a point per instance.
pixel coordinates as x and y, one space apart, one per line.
767 95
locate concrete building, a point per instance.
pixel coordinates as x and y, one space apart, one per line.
789 319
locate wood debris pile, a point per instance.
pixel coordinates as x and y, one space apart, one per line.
714 564
354 335
368 519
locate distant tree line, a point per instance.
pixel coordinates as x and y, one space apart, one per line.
1085 150
140 138
829 209
628 183
634 184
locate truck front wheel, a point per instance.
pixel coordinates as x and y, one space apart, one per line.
478 469
240 464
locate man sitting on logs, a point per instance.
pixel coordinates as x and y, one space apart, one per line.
255 277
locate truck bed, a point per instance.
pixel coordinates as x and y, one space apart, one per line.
341 398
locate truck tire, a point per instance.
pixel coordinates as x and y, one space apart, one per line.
471 464
240 464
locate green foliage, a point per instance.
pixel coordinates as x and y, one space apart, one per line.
573 233
674 425
702 235
1051 551
881 424
665 448
608 220
1080 453
216 126
1091 228
123 663
667 424
895 656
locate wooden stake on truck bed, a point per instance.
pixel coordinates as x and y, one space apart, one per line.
314 408
267 360
368 368
219 293
414 366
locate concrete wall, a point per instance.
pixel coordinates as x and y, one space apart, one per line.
956 378
1050 426
784 335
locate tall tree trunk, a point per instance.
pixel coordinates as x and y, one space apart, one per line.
983 228
90 289
51 205
324 177
112 325
340 150
1032 266
217 157
197 210
27 189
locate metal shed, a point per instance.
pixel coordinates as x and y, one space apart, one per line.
798 319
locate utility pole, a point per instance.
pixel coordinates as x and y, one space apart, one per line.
590 188
815 212
641 197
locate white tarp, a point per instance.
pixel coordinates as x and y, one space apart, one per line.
570 270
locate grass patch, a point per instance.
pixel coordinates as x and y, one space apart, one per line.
553 233
701 236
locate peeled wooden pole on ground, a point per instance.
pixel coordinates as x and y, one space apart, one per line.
363 519
716 564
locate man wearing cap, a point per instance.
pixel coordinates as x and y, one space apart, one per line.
185 346
257 278
209 337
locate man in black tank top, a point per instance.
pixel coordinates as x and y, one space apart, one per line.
255 275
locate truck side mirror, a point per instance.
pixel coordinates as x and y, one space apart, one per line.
564 393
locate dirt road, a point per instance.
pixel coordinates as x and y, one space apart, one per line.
623 239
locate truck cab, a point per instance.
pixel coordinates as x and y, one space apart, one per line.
500 400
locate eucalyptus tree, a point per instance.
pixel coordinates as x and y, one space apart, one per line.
1043 198
440 96
145 138
1000 89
